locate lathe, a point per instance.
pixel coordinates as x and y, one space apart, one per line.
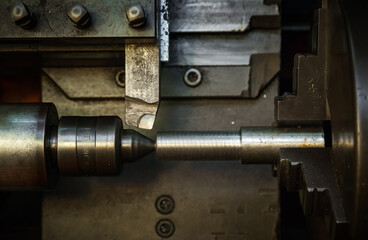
236 119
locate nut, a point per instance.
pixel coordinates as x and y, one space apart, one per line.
192 77
136 16
165 228
22 16
79 16
165 204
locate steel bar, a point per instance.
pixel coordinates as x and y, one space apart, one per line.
251 145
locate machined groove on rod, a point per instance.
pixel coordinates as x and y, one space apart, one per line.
250 145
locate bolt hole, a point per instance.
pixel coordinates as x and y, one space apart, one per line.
120 78
165 204
165 228
193 77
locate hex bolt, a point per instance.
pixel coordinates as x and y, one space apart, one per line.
79 16
23 16
136 16
192 77
165 228
165 204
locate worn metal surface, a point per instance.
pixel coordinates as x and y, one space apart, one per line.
142 81
164 34
231 201
222 49
89 146
310 172
348 78
86 82
24 159
246 81
264 68
215 82
217 16
250 145
108 22
308 100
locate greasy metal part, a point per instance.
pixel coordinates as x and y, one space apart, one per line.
164 30
311 172
22 16
89 146
222 49
24 156
79 16
142 91
135 15
134 145
217 16
252 145
109 25
308 100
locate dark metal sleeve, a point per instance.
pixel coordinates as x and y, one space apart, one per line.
89 146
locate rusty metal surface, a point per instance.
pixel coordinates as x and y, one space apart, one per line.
108 21
164 31
231 201
142 84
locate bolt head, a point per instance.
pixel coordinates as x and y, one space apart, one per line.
22 16
136 16
79 15
19 11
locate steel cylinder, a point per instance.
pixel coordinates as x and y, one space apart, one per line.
25 159
89 146
251 145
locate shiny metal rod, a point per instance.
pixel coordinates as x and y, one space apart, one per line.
251 145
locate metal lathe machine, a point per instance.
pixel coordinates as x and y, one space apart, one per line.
183 119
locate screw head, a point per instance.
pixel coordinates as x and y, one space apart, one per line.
79 16
120 78
165 228
165 204
22 16
192 77
136 16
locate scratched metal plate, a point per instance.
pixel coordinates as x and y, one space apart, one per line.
216 15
